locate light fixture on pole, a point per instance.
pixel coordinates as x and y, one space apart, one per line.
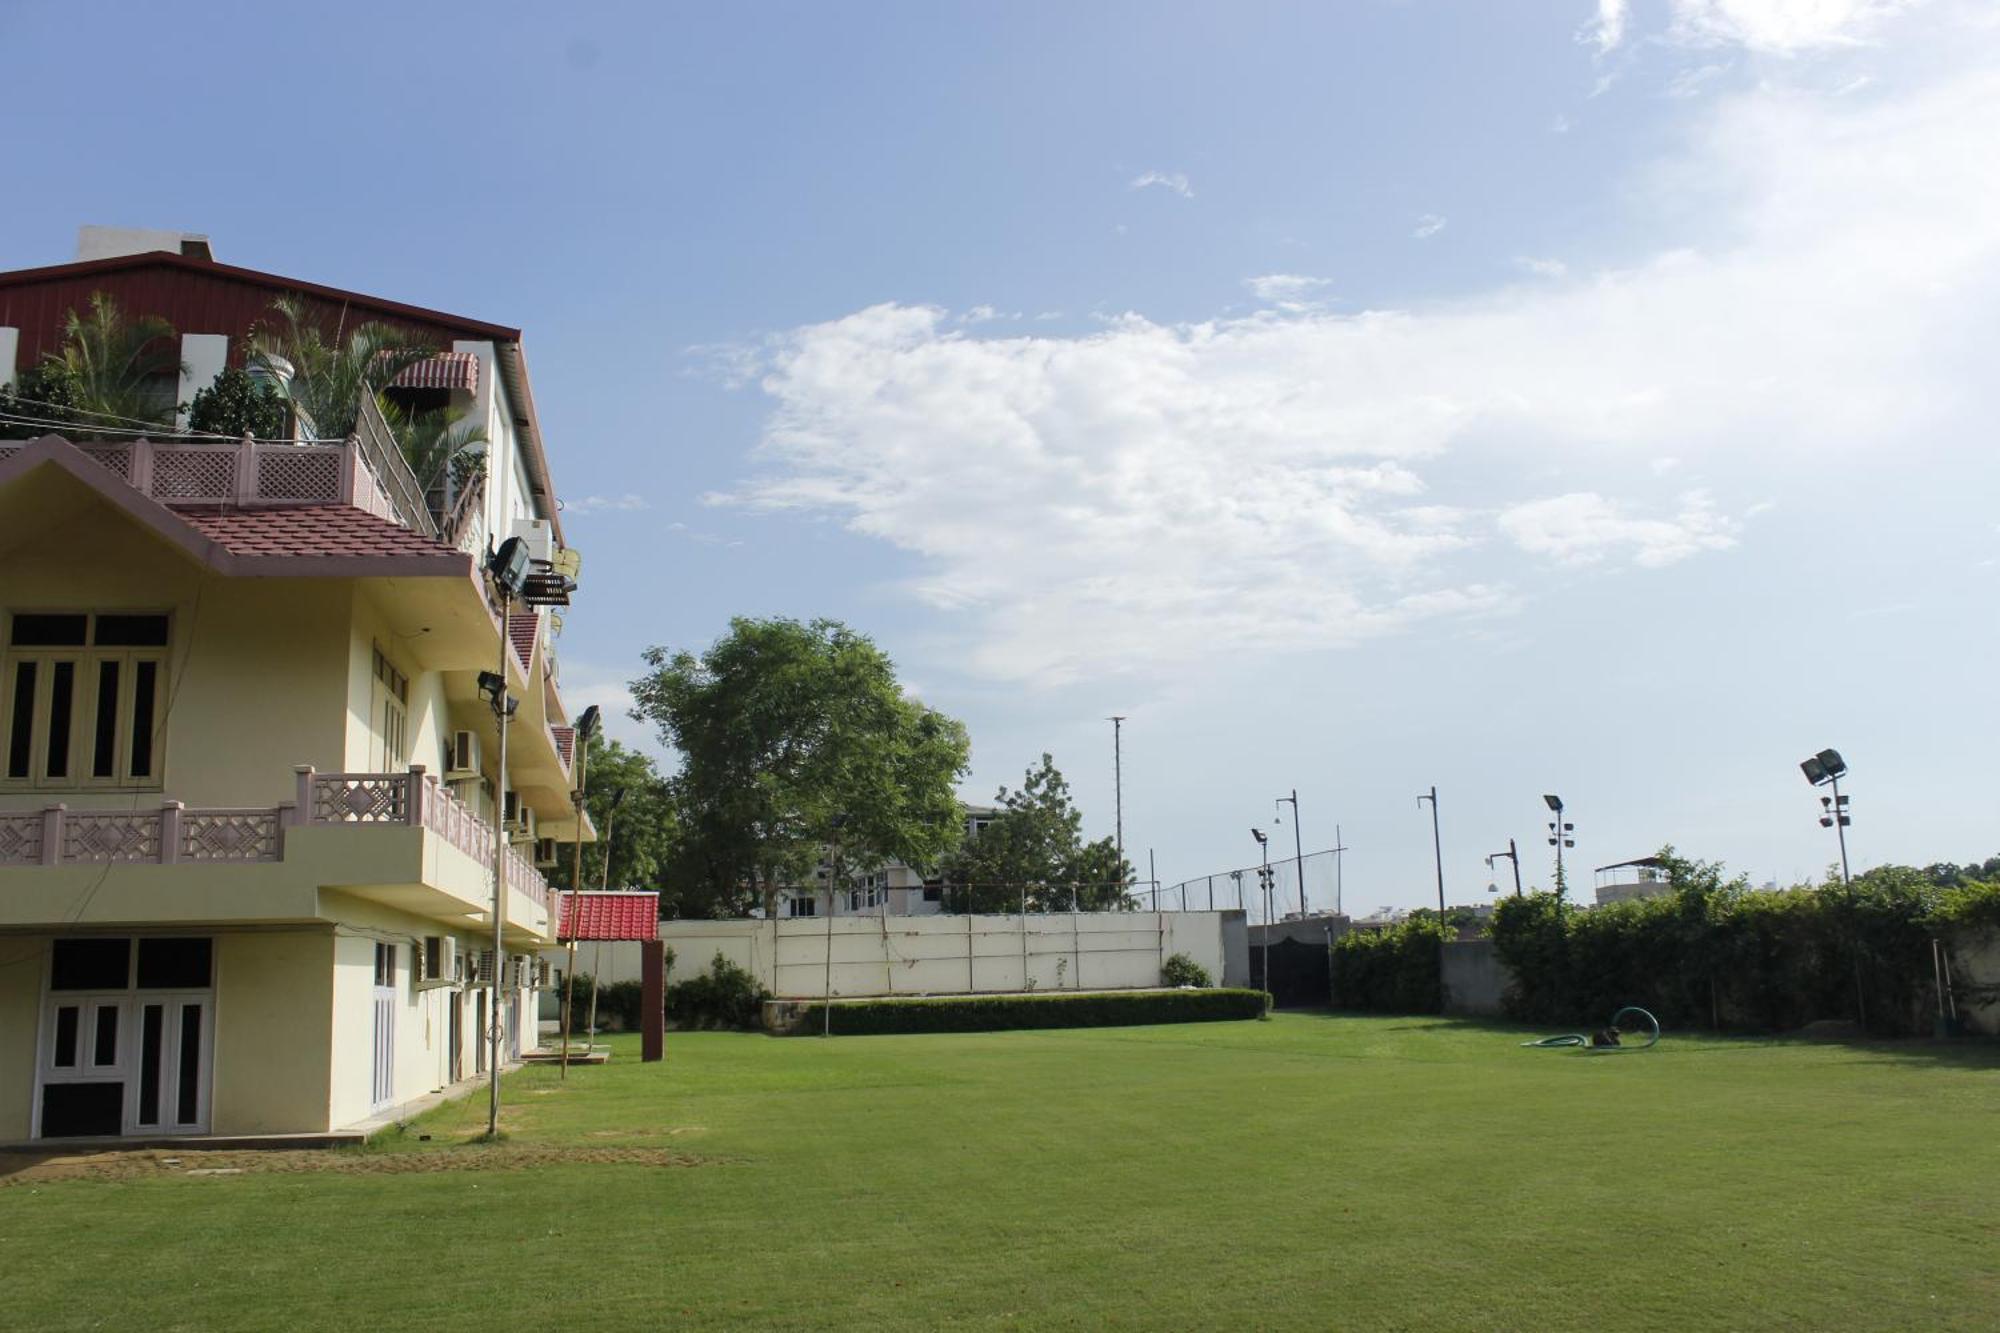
603 885
1264 883
839 822
508 568
1513 855
1559 838
1437 850
1823 770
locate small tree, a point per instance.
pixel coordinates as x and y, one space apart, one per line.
238 404
1033 855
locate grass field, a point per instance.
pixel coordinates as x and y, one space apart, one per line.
1308 1172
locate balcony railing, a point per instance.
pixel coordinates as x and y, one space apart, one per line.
173 833
414 799
170 834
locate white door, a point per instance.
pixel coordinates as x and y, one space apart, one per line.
128 1038
384 1089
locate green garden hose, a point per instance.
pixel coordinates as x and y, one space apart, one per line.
1579 1039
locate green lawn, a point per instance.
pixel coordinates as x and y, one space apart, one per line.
1309 1172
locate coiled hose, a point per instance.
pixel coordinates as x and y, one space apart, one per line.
1579 1039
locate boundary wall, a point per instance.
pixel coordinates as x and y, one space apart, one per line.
941 954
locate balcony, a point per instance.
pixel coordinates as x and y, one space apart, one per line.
402 839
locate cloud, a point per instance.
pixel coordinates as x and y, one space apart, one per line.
1583 527
1429 225
599 504
1561 124
1782 27
1142 496
1606 28
1691 82
1288 291
1541 268
1176 181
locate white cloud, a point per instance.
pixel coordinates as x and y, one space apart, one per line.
599 504
1691 82
1541 268
1560 125
1176 181
1782 27
1606 28
1429 225
1144 495
1583 528
1288 291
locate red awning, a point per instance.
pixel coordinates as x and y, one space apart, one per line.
610 916
446 370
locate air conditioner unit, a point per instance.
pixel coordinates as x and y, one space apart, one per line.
548 853
482 969
520 972
539 534
438 962
520 819
462 763
544 974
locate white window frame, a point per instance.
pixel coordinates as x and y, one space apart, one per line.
86 661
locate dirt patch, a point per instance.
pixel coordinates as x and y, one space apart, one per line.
41 1168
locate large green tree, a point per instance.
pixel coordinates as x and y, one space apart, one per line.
1033 854
639 834
795 735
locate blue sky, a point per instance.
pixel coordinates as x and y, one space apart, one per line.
1580 397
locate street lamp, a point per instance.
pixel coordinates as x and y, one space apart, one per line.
1559 838
1264 882
1298 847
586 729
1824 770
1512 854
1437 849
508 568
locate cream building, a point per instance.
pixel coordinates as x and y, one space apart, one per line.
247 780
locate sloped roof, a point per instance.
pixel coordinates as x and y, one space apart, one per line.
610 916
310 530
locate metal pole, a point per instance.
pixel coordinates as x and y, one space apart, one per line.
826 998
499 879
603 884
1339 846
1514 855
1437 846
1840 828
1265 847
1298 853
1118 798
575 888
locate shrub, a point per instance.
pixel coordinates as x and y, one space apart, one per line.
1181 970
993 1013
235 404
1393 971
726 996
1712 953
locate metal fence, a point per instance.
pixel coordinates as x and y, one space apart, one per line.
1240 888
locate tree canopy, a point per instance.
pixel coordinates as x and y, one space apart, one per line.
793 734
1033 854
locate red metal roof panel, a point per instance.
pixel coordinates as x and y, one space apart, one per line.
610 916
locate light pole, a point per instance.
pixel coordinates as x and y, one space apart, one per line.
1118 798
1339 850
603 885
1822 770
1559 838
1298 848
1264 882
832 889
586 728
1513 855
508 568
1437 850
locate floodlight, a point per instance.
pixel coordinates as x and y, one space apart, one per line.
617 797
1831 761
1554 803
586 725
1258 834
509 565
1814 770
492 684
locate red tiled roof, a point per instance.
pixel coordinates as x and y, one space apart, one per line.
521 629
565 744
310 530
610 916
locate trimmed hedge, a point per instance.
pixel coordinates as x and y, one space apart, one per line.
1392 971
995 1013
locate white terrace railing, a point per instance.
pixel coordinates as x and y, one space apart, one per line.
414 799
173 833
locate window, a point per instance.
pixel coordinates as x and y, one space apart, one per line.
933 893
385 964
82 699
390 716
801 907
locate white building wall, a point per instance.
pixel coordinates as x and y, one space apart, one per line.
10 351
932 955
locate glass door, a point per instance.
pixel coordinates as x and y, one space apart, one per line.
128 1036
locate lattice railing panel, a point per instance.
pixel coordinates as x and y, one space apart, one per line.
230 835
298 472
361 798
113 457
21 839
194 473
111 837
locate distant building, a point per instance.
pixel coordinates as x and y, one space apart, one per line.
1626 880
888 889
